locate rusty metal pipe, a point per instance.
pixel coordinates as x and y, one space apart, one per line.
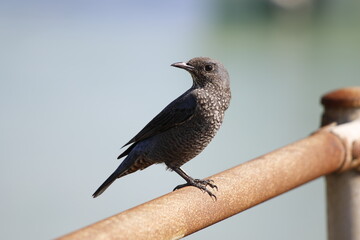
343 187
188 210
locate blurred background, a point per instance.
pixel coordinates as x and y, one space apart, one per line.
78 79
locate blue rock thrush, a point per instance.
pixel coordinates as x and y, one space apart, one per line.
184 128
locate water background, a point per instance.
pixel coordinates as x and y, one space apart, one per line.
78 79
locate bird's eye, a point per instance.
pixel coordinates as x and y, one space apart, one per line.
208 68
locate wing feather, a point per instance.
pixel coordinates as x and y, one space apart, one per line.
176 113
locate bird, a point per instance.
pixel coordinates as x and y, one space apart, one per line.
183 128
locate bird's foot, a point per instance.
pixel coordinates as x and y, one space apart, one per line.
201 184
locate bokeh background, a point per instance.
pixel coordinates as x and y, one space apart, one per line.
78 79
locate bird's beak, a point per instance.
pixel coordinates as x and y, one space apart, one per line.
183 65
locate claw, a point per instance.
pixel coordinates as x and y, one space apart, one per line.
201 184
207 182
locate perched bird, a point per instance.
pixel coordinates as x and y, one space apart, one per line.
183 128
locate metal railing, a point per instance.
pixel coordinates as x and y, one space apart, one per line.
332 150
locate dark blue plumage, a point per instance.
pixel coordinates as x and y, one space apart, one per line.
184 128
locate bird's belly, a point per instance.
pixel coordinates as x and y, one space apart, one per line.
180 144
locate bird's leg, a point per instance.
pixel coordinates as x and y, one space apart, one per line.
199 183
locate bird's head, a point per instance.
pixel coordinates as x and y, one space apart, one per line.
205 71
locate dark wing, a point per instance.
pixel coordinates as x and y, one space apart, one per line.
174 114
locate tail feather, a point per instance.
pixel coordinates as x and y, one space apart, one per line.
105 185
129 165
119 172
